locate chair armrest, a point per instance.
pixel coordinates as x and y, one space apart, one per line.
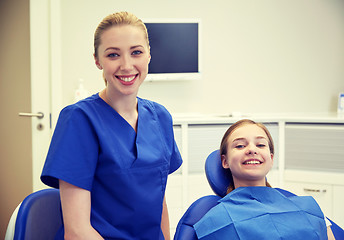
194 213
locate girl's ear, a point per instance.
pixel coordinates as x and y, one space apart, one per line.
272 158
224 161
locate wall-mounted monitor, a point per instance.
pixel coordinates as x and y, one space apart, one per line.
175 49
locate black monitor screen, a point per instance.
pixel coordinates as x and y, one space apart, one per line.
174 47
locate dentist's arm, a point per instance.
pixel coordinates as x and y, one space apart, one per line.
330 234
76 211
165 222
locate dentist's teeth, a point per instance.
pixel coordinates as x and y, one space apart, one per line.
127 79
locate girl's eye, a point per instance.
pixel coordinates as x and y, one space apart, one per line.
261 145
112 55
136 52
239 146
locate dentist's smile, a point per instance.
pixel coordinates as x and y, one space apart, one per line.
127 79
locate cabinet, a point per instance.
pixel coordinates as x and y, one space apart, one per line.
314 164
327 189
202 140
317 147
322 193
338 200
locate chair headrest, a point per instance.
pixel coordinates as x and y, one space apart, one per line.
218 177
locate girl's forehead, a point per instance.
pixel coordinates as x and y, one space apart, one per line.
247 131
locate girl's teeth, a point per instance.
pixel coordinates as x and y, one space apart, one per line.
252 162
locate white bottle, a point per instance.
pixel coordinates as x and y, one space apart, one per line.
80 92
340 109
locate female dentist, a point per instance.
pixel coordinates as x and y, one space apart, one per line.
111 153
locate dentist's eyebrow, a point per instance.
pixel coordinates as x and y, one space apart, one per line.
112 48
118 49
136 46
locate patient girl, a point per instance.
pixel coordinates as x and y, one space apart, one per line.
252 209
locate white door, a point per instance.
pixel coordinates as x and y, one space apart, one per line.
45 79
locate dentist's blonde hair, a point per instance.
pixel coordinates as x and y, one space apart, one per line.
117 19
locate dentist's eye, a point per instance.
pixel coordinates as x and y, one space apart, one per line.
112 55
136 52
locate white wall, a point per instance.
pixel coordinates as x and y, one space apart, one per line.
262 56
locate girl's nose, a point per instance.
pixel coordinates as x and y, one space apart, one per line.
252 152
251 149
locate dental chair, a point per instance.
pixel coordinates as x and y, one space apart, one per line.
218 181
38 217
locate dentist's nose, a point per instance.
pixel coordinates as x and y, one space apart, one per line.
126 63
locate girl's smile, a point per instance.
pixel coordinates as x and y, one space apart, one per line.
252 162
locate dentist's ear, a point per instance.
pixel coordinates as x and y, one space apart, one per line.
97 63
99 66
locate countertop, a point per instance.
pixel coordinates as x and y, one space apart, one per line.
198 118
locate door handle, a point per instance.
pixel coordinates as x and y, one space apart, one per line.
38 115
309 190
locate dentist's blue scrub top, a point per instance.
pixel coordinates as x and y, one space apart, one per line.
94 148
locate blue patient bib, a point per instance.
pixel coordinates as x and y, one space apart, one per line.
263 213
